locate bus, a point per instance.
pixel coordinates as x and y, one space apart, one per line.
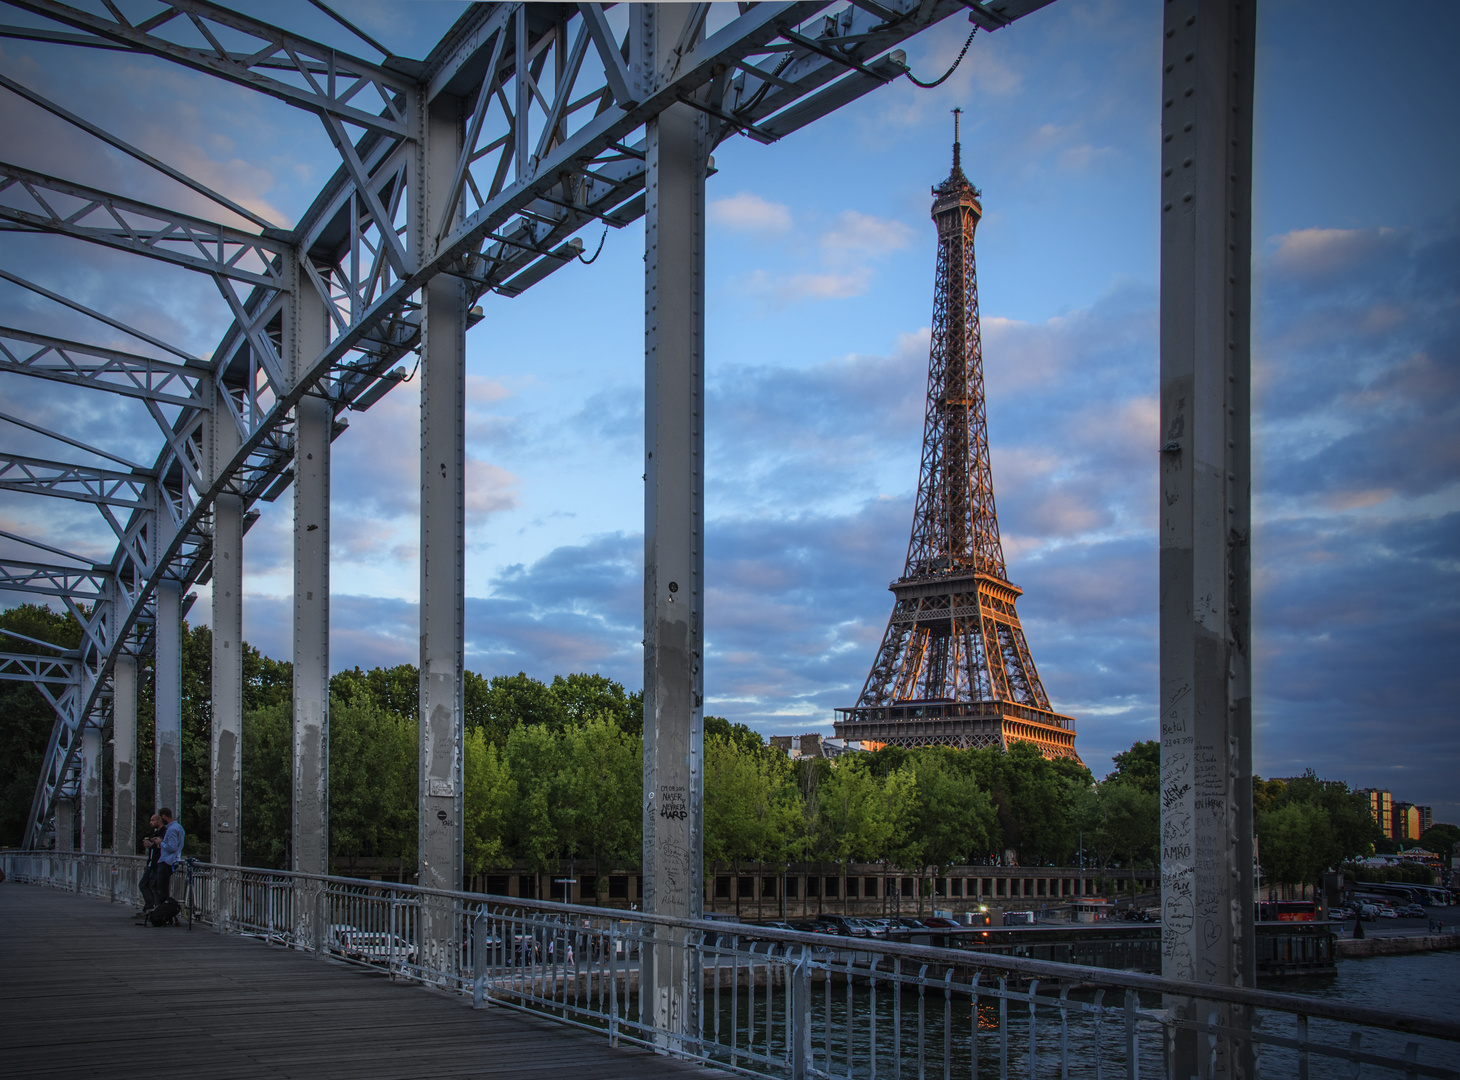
1403 891
1287 911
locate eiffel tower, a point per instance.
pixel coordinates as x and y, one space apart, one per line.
954 668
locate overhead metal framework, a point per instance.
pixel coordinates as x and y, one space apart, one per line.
545 106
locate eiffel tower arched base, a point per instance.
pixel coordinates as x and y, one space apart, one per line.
966 725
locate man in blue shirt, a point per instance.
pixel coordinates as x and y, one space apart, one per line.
170 856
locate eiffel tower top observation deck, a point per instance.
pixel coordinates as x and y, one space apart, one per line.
954 668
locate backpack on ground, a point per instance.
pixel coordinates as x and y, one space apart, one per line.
165 913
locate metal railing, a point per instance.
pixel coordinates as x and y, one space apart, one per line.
781 1004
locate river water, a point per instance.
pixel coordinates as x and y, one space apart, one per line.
1425 983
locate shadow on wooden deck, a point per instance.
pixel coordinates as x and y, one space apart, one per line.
87 993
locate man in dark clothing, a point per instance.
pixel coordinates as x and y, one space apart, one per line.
152 845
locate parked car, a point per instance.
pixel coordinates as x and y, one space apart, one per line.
1387 912
1340 914
1411 911
377 948
938 923
879 927
908 924
846 925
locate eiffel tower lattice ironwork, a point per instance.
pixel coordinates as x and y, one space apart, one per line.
954 667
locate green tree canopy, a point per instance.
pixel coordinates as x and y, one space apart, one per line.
1440 838
1140 766
1293 842
26 718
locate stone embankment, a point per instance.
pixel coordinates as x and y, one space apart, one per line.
1350 948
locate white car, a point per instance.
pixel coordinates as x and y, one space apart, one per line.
1387 912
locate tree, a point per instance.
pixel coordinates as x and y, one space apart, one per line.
946 816
26 718
396 689
489 792
373 770
740 734
603 768
511 700
1129 823
588 697
1292 842
268 762
752 805
1440 838
1140 766
857 822
537 826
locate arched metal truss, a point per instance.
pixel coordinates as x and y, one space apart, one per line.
549 103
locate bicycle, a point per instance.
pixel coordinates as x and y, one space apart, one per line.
188 866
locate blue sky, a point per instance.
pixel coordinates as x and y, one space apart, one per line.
820 273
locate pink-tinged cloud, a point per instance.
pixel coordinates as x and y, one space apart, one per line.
749 213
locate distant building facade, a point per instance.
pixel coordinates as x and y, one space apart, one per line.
1381 805
816 745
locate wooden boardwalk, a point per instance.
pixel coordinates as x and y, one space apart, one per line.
86 993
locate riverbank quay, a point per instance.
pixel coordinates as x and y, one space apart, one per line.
1395 945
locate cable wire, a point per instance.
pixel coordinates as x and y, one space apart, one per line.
930 85
601 239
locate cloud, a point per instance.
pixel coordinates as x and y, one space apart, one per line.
849 251
1325 252
748 212
864 234
489 490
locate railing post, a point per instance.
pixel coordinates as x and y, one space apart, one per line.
321 914
480 943
799 1035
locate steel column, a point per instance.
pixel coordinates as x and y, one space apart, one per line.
227 691
65 825
167 696
314 417
674 238
1205 514
124 755
91 790
443 515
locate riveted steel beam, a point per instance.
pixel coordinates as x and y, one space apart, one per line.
1207 847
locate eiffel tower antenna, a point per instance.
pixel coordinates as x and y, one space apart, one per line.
954 668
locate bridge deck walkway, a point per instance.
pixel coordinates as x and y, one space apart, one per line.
85 993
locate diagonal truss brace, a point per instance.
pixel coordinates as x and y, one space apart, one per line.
326 80
82 483
110 370
137 227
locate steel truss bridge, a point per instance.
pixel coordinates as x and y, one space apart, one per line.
471 172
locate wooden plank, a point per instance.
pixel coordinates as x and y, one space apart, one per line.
87 993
